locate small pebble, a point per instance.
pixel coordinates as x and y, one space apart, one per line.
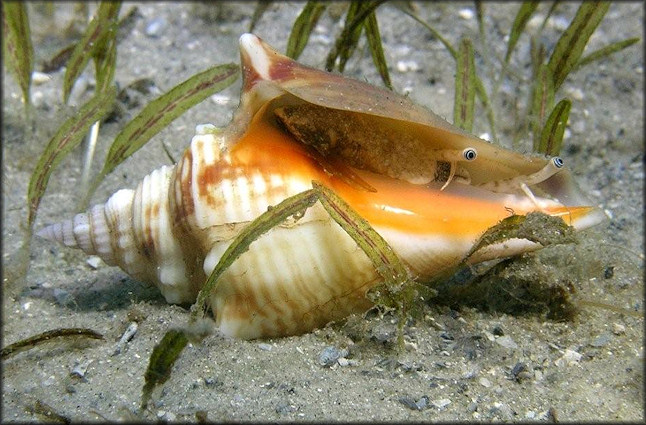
413 404
466 14
38 78
609 272
502 410
264 346
410 346
284 407
485 382
192 45
575 93
81 369
407 66
383 333
330 355
94 261
38 99
447 336
408 402
212 382
471 372
441 404
518 369
618 329
559 23
125 338
534 22
321 29
155 27
166 416
569 357
506 342
422 403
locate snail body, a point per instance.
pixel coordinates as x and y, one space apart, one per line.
174 227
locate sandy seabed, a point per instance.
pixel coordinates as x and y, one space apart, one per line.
464 364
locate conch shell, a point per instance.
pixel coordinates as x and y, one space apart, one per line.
413 176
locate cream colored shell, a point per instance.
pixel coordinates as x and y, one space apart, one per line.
173 228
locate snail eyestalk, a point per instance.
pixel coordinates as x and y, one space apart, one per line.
553 166
453 156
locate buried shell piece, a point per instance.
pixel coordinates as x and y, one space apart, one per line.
296 125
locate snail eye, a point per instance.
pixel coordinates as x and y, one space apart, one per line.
557 161
469 154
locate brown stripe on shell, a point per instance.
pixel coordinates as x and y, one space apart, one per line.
209 175
141 225
90 219
265 329
281 326
148 242
153 226
183 199
245 297
115 234
181 211
252 305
